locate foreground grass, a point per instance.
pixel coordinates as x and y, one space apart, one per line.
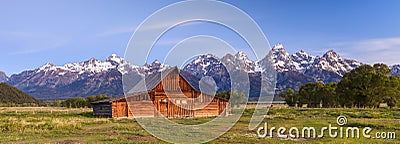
61 125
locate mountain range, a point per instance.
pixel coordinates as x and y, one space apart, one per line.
95 76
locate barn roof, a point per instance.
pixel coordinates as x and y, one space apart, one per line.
152 80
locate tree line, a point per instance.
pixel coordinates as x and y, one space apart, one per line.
365 86
79 102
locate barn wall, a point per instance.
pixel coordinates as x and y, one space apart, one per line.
142 108
142 105
120 108
215 108
102 109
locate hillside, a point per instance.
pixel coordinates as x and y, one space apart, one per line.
10 94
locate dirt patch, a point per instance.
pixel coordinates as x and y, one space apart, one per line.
78 134
142 139
70 142
112 133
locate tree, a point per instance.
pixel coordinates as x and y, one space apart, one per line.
366 86
310 94
80 102
237 98
391 94
289 96
382 68
329 97
57 103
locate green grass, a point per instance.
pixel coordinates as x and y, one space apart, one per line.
61 125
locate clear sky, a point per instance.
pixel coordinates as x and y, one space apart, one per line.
33 33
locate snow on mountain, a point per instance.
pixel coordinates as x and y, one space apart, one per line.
302 60
239 61
105 77
92 76
90 66
293 70
282 59
203 65
333 62
93 66
395 69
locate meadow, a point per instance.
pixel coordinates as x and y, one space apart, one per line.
66 125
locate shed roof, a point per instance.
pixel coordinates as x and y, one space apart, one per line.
109 100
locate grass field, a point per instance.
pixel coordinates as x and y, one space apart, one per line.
61 125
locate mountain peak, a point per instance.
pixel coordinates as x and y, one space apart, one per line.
112 56
47 66
303 53
242 55
115 58
302 60
331 54
3 77
156 62
278 46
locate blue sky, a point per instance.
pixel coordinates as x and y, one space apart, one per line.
33 33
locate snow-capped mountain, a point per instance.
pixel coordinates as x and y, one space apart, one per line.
282 59
239 61
204 65
395 70
302 60
95 76
3 77
80 78
210 65
331 61
293 70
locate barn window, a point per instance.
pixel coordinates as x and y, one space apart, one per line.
145 97
137 98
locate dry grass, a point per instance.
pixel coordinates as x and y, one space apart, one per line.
61 125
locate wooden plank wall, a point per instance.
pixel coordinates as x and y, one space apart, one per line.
102 109
143 108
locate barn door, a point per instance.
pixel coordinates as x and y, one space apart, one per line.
163 109
122 109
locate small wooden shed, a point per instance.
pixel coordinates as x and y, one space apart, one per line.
171 94
112 107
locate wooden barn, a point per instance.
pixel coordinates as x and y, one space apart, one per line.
173 94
